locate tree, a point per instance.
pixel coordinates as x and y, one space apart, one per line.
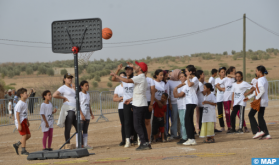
109 84
42 70
63 72
97 78
225 53
233 52
148 58
250 51
11 74
95 84
29 70
234 57
17 72
50 72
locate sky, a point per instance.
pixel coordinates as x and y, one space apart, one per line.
135 20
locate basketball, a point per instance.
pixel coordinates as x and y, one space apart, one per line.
106 33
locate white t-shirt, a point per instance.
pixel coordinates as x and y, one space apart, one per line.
20 107
119 91
171 85
190 94
150 83
69 93
46 109
161 88
262 82
181 101
212 82
85 104
200 94
238 91
228 88
128 90
10 106
220 94
139 95
209 114
254 82
196 81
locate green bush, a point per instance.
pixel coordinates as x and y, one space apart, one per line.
234 57
42 70
11 74
95 84
225 53
248 75
233 52
223 65
17 72
83 78
109 84
50 72
63 72
206 72
23 67
218 58
29 70
254 57
97 78
92 75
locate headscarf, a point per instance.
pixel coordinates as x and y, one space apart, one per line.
174 75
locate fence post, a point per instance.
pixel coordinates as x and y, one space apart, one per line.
101 111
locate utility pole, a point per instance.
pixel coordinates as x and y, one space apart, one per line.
244 47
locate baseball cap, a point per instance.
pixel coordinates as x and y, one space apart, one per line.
9 90
68 75
142 65
127 67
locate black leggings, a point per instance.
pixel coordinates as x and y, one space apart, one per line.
70 120
220 114
254 125
84 127
128 120
237 108
200 117
189 123
121 117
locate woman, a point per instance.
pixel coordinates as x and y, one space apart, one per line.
172 83
118 97
68 111
127 108
220 96
260 130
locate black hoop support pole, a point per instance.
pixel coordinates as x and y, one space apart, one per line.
75 50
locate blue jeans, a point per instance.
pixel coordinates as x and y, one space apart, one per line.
167 125
174 118
182 113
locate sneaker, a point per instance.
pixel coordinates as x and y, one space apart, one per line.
138 141
50 149
231 131
190 142
143 147
170 139
222 129
240 131
128 144
216 130
46 149
246 130
24 153
121 143
164 141
258 134
16 148
88 147
181 142
266 137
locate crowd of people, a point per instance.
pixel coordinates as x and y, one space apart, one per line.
159 109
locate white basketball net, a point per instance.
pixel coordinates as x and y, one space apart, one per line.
83 58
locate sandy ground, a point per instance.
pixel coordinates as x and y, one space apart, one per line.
105 137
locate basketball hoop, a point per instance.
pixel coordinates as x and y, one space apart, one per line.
83 58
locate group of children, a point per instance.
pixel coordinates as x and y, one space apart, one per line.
47 110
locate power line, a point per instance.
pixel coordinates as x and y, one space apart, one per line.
25 41
24 45
273 32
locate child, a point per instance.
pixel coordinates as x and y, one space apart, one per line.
209 116
86 112
200 95
238 94
10 108
212 78
159 118
47 119
220 96
21 121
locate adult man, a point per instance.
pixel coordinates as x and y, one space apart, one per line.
9 97
139 102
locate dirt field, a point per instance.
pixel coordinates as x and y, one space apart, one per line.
105 137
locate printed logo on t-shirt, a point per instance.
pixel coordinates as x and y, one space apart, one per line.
129 89
50 117
187 93
25 114
205 110
229 88
237 95
159 93
86 106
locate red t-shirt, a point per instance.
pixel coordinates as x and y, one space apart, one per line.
159 112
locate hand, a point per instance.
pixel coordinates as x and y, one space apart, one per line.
65 99
121 100
54 111
165 121
127 101
231 107
113 74
19 127
150 107
130 64
203 102
170 107
28 124
119 66
181 85
246 99
92 116
47 125
82 117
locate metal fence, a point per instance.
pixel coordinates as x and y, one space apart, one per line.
101 103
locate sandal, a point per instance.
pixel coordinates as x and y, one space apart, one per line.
210 141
